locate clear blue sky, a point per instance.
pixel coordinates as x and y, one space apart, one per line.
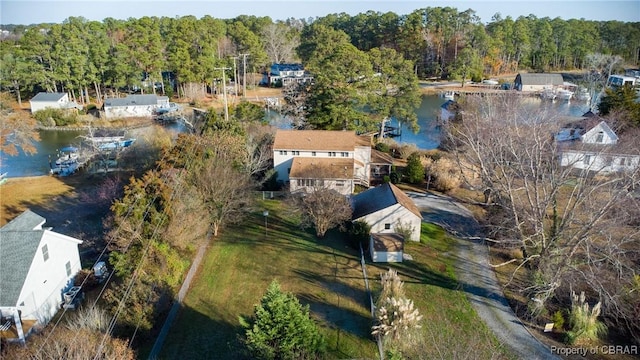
31 11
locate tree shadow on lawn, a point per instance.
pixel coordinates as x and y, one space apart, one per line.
198 335
333 284
336 317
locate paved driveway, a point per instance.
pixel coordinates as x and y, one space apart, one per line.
478 278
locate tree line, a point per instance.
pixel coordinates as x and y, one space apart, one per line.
440 42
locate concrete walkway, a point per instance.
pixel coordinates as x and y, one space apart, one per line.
478 278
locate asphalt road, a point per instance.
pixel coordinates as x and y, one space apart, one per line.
478 278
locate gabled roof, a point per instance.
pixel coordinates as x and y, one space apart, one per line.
541 79
19 242
18 245
381 197
318 140
321 168
379 157
133 100
601 127
48 97
26 221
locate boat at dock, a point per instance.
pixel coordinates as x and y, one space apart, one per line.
68 155
448 95
564 94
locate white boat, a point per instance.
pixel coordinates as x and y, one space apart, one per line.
490 82
448 95
68 155
564 94
548 94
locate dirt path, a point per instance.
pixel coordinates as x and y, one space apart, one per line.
477 277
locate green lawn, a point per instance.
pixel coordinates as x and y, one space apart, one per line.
325 274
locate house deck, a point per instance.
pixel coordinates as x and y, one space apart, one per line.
11 333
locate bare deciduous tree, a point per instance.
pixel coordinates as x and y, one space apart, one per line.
279 43
559 216
17 130
322 208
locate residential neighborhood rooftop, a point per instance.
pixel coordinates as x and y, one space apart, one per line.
47 97
322 168
131 100
318 140
379 198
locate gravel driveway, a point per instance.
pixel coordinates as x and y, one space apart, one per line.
478 278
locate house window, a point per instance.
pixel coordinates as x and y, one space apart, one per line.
339 183
68 267
387 226
608 161
332 153
45 252
599 137
313 153
587 159
295 152
344 154
283 152
623 161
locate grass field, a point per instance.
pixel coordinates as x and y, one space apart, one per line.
326 275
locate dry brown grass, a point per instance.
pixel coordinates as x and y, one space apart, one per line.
18 193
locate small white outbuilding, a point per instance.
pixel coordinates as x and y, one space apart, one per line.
386 247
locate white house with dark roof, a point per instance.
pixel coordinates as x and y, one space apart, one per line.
37 266
286 74
599 149
44 100
387 209
135 106
332 173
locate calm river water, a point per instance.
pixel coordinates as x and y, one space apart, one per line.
428 137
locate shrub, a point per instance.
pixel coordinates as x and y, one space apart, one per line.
394 177
442 174
584 320
359 233
558 321
281 328
384 147
414 170
55 117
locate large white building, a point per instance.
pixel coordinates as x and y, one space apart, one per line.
37 266
135 106
599 150
338 159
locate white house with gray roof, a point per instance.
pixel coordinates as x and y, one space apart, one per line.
46 100
134 106
37 266
538 81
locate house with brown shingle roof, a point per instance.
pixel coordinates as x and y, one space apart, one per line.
339 159
387 210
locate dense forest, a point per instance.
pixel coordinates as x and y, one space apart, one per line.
441 42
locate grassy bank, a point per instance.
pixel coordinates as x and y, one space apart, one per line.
19 194
325 274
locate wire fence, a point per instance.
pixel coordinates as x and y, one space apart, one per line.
372 305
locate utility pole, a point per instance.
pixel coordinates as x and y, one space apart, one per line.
224 92
235 75
244 74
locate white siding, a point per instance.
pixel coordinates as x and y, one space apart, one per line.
282 162
393 215
47 280
599 162
112 112
344 187
41 105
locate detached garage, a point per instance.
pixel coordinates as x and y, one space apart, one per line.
386 247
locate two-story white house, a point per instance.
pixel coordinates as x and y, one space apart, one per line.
37 267
286 74
599 150
335 159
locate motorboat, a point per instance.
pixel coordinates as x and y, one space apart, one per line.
564 94
448 95
548 94
67 156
